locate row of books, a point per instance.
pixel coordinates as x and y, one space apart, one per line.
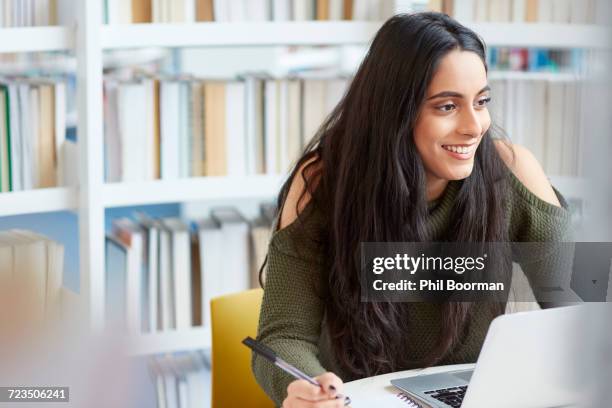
180 127
535 59
544 116
32 132
27 13
189 11
520 11
162 273
32 266
181 380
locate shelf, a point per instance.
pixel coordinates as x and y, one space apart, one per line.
31 39
545 35
336 33
169 341
190 189
533 76
38 201
237 34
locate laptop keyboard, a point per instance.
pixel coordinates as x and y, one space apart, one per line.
450 396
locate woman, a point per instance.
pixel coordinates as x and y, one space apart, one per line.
407 155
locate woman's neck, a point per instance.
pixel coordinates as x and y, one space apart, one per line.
435 186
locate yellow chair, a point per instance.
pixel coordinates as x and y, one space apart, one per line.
235 317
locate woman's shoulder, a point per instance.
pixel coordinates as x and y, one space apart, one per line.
531 193
300 222
299 197
527 174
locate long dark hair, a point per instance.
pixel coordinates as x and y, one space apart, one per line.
363 171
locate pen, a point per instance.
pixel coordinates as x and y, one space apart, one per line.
271 356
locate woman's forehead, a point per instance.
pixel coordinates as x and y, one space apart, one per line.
459 71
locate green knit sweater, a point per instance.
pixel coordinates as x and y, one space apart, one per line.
292 320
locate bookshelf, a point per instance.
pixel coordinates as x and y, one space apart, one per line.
190 189
172 340
336 33
38 201
31 39
89 40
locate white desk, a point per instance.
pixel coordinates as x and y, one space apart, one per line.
378 391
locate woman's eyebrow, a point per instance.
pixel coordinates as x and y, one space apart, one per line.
451 94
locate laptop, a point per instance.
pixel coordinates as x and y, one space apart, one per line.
528 359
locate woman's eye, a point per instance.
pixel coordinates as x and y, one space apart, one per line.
446 108
484 101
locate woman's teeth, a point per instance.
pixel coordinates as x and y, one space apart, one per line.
458 149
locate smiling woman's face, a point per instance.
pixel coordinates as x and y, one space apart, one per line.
453 117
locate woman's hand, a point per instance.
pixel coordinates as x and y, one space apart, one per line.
302 394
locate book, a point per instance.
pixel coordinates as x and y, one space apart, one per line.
115 287
235 230
313 107
322 9
481 10
181 271
204 10
271 126
235 127
196 280
166 281
211 244
281 10
531 11
197 152
169 125
294 121
131 236
215 128
336 9
151 271
254 93
141 11
464 10
4 139
545 11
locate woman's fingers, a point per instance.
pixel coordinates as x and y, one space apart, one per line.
302 394
331 384
302 389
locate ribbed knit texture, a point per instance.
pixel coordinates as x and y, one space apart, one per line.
292 314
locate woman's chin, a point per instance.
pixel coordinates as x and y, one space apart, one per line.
461 172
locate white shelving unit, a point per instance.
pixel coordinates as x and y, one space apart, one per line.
31 39
90 39
38 201
167 342
195 189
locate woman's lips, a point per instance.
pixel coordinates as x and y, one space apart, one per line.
460 151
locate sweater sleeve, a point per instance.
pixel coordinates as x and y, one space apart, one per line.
542 233
291 311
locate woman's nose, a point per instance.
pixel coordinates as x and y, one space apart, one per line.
470 123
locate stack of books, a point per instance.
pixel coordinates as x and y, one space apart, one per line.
32 133
27 13
162 273
535 59
525 11
32 265
181 380
169 128
545 116
189 11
